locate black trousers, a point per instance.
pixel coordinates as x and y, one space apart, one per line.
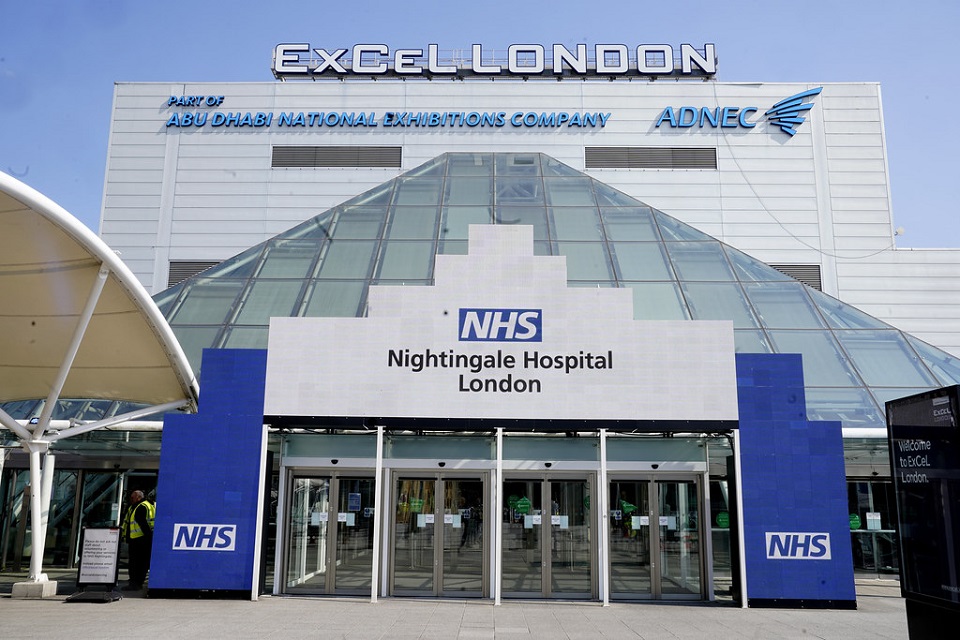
138 551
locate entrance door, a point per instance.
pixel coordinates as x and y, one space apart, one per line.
655 541
438 537
330 535
547 542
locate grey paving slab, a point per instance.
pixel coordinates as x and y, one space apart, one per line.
880 615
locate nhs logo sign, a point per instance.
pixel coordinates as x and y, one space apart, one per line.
501 325
798 546
204 537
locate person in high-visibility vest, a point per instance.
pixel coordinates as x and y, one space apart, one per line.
137 531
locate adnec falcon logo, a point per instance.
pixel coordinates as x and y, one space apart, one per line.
788 113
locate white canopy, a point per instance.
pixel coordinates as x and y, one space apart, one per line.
50 268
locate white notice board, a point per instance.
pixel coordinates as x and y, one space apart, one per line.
98 556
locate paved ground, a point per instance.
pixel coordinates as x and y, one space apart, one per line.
880 615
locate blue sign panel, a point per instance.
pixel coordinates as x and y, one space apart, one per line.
796 526
501 325
205 533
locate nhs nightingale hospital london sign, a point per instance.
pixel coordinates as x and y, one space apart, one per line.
501 337
304 61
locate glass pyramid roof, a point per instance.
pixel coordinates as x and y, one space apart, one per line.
853 363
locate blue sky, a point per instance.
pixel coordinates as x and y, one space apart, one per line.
59 61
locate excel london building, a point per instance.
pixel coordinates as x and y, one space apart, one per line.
552 322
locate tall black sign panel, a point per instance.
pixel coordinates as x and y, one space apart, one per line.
924 439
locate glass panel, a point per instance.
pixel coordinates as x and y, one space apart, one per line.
208 302
783 305
873 534
586 260
413 528
679 538
308 519
446 448
535 216
673 229
607 195
165 299
699 261
642 261
318 227
629 539
355 517
746 341
456 221
348 259
358 223
413 223
268 298
463 537
522 570
719 301
853 407
378 196
474 191
840 315
884 359
657 301
418 190
945 366
823 365
470 164
406 261
194 340
517 164
570 191
629 224
289 259
570 549
247 338
453 247
883 395
334 299
576 223
751 270
552 167
520 191
238 267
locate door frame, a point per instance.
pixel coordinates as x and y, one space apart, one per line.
590 477
333 476
394 476
652 480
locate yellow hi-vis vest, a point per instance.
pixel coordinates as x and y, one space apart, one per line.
131 524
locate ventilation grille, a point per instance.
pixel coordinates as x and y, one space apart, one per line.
180 271
337 157
650 158
808 274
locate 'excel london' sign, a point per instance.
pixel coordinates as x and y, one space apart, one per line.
301 60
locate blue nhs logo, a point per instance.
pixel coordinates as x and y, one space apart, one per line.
204 537
798 546
501 325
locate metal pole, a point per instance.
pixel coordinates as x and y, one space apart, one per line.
740 516
82 323
377 514
497 521
603 509
36 530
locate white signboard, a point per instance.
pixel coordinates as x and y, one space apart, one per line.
501 336
98 558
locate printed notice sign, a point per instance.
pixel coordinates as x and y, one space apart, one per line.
98 556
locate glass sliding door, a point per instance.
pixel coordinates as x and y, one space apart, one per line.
679 532
655 539
414 530
630 544
439 543
522 545
329 546
548 546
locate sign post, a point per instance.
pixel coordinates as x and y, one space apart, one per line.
99 567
